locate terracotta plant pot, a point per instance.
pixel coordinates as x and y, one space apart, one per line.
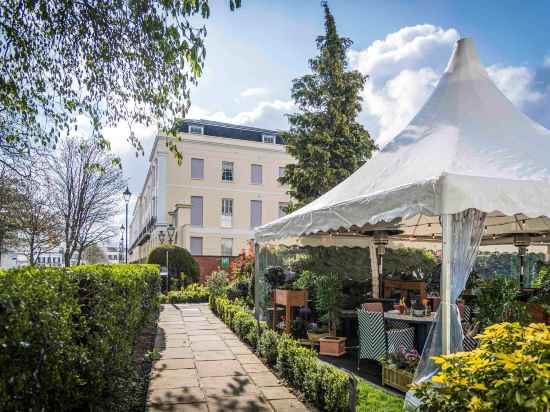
402 309
315 337
332 346
397 307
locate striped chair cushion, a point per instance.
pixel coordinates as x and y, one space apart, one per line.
372 336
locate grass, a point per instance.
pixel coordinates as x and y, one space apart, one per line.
371 398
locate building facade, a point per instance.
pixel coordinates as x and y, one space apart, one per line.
225 186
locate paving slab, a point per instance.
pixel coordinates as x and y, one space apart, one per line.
174 364
248 359
214 355
264 379
288 405
219 368
276 392
176 395
240 404
208 346
204 367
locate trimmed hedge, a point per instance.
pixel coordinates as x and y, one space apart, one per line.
180 261
322 384
67 335
194 293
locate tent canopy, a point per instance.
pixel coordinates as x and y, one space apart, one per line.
468 147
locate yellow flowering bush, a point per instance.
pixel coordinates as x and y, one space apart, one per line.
510 371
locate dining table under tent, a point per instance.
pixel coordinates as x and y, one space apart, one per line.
468 169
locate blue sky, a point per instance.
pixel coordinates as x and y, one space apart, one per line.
254 53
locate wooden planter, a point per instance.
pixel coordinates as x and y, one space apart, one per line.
396 378
288 299
332 346
538 313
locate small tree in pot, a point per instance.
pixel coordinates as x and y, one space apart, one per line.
329 303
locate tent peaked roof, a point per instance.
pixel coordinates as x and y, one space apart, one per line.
468 147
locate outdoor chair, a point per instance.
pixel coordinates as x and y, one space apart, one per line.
375 342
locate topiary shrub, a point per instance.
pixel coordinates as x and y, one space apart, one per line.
181 264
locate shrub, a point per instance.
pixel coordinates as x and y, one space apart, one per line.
68 335
322 384
193 293
180 262
267 346
509 371
217 284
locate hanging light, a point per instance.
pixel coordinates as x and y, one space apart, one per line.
522 241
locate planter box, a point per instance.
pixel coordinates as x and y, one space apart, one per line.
538 313
315 337
396 378
287 297
332 346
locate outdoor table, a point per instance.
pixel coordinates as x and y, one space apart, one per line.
421 325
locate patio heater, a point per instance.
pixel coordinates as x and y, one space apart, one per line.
380 240
522 242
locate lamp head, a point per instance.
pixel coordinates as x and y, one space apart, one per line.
161 236
127 195
171 229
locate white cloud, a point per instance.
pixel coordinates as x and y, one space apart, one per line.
403 71
117 136
254 92
269 114
516 82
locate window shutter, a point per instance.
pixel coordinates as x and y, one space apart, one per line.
255 213
196 246
256 174
196 210
197 168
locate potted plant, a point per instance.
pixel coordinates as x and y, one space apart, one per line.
329 302
398 368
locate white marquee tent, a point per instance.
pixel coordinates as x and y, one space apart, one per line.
469 168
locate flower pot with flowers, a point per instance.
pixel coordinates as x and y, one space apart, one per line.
398 368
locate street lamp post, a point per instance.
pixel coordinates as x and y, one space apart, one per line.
127 195
121 249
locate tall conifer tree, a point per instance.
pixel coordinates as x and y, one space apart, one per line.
325 138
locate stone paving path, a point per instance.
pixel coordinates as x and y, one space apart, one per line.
204 366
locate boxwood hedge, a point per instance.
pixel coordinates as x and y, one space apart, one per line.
322 384
67 335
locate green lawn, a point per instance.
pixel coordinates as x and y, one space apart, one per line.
371 398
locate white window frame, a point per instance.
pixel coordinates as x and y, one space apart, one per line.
226 217
224 163
195 129
269 138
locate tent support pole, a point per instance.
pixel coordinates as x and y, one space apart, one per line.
374 270
445 292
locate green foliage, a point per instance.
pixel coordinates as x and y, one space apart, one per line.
510 371
407 260
267 346
180 262
322 384
542 276
68 335
217 284
490 264
329 299
497 301
129 61
371 398
325 138
193 293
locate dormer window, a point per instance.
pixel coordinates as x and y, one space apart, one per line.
194 129
268 138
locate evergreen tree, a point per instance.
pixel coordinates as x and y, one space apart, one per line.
325 138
